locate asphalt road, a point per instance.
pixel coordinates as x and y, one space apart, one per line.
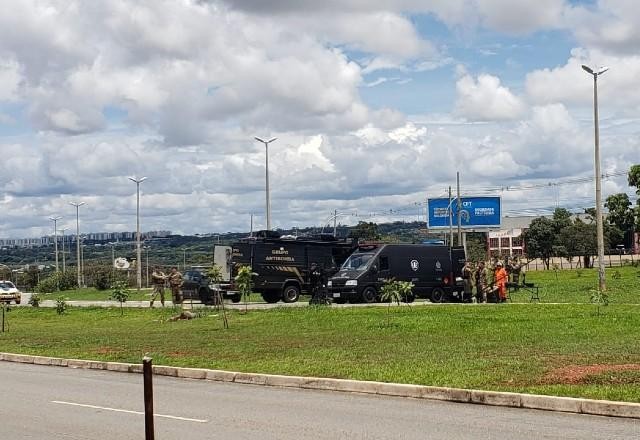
40 402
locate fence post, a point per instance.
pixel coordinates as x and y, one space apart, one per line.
147 373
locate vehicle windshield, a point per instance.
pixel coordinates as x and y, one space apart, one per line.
7 285
357 262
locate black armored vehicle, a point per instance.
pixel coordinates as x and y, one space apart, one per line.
434 270
282 264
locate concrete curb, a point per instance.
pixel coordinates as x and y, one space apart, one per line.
494 398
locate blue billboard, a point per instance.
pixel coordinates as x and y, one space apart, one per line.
477 212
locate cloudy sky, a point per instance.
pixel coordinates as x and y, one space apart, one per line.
375 103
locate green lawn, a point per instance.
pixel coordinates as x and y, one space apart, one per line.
575 286
93 294
496 347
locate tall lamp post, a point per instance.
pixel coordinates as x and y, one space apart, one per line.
55 236
266 149
599 226
64 266
78 205
138 181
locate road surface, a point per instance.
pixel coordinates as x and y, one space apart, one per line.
39 402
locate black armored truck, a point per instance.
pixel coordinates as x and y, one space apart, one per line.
282 263
434 270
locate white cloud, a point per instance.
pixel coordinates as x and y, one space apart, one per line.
485 99
569 84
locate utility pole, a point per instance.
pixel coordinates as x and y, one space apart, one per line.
78 205
138 181
459 210
251 227
55 237
64 266
268 196
335 222
599 227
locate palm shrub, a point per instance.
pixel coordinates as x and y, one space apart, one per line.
395 291
244 282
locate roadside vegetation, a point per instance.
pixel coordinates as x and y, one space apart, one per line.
539 348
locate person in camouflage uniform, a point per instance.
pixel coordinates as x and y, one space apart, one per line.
481 283
516 268
175 282
158 278
467 282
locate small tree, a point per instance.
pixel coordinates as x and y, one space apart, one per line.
395 291
599 298
35 300
121 294
215 276
244 281
61 305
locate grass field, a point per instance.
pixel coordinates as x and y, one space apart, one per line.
549 349
562 286
93 294
575 286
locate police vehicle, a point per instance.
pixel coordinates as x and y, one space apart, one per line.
282 264
434 270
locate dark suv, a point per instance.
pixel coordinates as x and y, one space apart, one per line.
196 285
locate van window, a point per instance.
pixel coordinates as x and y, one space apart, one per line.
384 263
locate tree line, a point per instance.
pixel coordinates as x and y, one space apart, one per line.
564 236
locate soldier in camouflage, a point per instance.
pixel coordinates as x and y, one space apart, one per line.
175 282
158 278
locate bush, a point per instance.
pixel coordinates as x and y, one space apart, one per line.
120 293
35 300
61 305
58 281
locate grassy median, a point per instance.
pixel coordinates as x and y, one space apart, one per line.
550 349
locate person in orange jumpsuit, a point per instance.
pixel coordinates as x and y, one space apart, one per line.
501 278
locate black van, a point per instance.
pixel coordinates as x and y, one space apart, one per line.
435 271
282 264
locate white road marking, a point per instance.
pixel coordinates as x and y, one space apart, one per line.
128 411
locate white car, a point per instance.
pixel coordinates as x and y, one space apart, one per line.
9 292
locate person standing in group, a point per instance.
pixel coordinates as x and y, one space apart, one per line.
467 274
158 278
481 283
501 278
175 281
516 268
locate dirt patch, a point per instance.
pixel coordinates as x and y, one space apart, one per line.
581 374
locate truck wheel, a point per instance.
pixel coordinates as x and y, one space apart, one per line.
236 298
409 298
271 297
437 295
205 297
290 294
369 295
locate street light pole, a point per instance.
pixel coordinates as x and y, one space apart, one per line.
139 252
55 236
266 149
78 205
599 226
64 266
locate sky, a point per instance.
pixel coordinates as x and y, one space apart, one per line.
376 104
